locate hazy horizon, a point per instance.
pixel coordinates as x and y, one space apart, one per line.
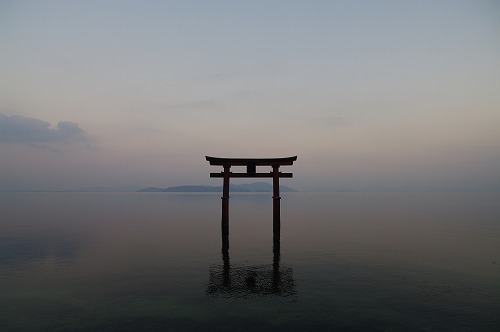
371 96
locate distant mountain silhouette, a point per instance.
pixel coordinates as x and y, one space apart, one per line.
248 187
131 188
192 189
150 190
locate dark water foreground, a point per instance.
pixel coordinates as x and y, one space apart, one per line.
153 262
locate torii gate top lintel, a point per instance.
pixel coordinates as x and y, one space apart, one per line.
254 161
251 164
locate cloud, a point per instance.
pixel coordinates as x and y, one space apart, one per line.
20 129
195 105
228 74
330 120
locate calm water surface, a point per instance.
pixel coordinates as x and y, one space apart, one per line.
153 262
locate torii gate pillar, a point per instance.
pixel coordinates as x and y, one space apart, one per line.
225 208
251 164
276 204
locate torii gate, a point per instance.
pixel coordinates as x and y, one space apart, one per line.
251 164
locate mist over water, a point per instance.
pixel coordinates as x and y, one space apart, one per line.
153 262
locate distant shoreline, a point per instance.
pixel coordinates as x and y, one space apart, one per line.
249 187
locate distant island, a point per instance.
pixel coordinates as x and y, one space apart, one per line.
248 187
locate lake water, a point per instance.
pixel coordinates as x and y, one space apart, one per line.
153 262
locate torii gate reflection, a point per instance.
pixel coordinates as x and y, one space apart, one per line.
251 164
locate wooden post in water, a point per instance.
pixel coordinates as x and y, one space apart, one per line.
276 204
225 209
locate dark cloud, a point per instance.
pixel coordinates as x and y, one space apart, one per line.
20 129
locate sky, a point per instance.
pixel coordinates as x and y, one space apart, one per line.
370 95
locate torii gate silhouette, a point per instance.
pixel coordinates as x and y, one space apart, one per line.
251 164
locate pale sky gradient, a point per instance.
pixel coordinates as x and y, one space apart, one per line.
371 95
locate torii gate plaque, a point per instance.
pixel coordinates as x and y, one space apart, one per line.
251 164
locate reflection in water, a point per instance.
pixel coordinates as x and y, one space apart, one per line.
18 250
242 281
